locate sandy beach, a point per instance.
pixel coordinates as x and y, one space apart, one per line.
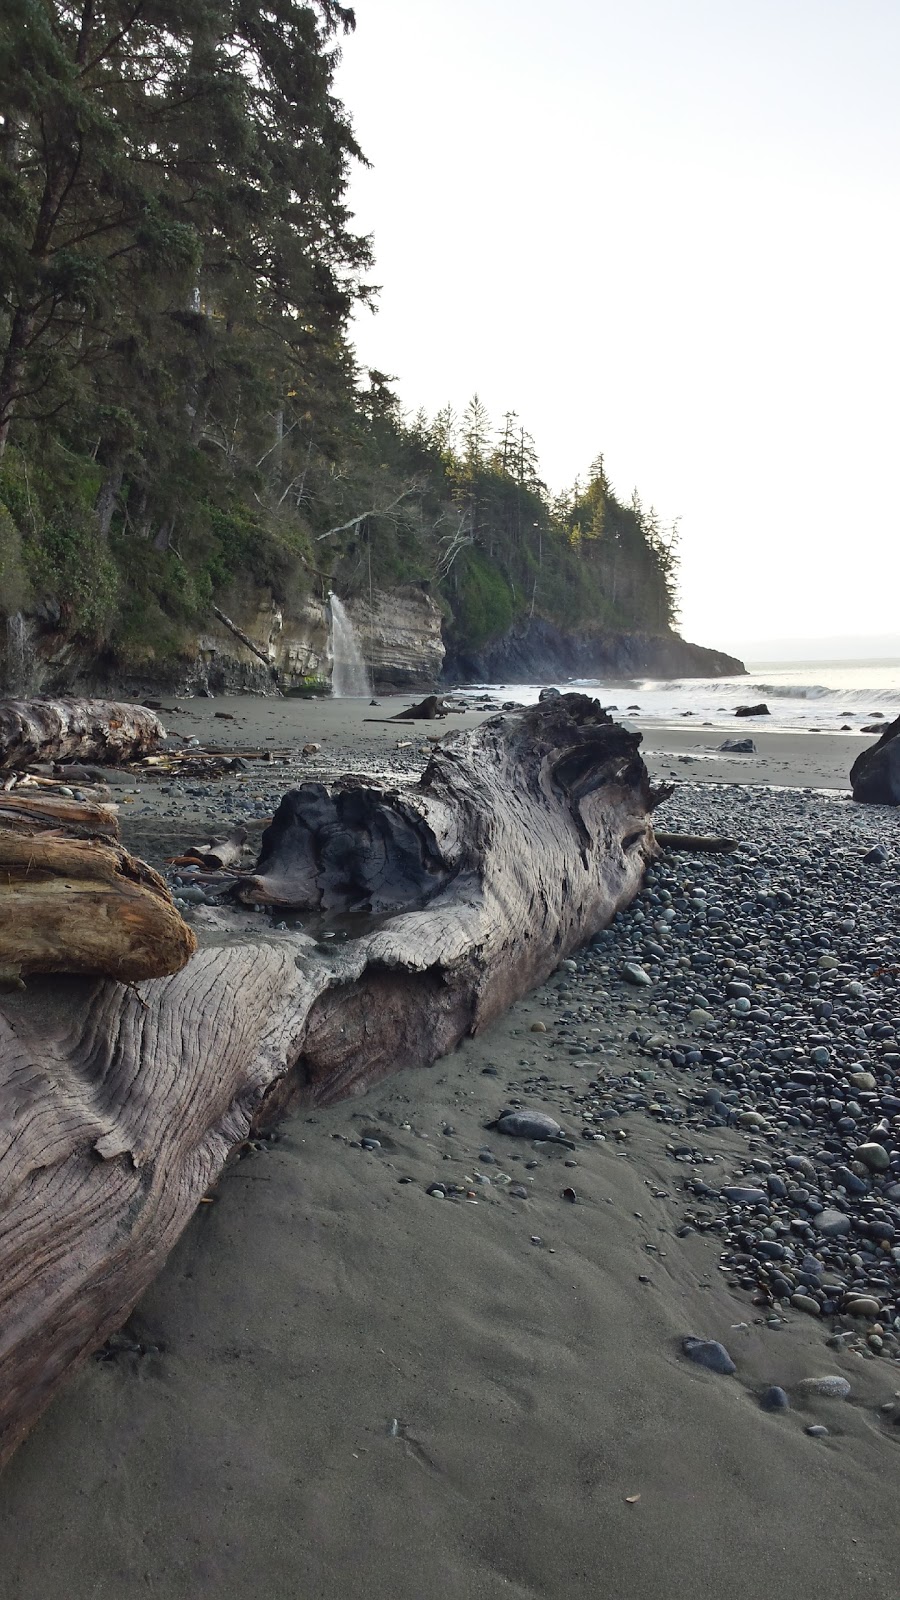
344 1386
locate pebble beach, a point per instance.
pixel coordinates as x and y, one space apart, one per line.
653 1350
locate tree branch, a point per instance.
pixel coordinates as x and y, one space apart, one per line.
374 511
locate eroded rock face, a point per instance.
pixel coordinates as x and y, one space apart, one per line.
875 774
537 651
295 641
400 636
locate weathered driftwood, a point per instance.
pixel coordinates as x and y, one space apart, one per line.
81 730
75 902
214 854
31 811
423 710
119 1108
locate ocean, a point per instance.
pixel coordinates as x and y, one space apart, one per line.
825 696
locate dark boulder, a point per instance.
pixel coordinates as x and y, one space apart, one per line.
738 747
761 710
875 774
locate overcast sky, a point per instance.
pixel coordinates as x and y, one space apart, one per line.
667 230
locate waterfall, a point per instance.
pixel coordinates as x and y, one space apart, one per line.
19 656
349 675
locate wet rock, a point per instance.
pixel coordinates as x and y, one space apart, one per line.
805 1302
832 1224
708 1353
528 1125
873 1156
863 1305
740 1196
831 1387
774 1399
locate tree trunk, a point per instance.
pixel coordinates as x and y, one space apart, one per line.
118 1110
13 369
109 493
75 730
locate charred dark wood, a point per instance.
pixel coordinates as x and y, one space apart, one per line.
119 1108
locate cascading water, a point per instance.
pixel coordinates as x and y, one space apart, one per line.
19 656
349 675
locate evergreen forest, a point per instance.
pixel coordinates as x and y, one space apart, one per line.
181 413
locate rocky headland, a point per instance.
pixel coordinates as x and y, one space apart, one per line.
260 646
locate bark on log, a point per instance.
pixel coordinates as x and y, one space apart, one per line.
110 731
118 1109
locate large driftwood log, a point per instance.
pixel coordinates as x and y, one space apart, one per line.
109 731
119 1108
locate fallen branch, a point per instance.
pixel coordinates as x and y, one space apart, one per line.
696 842
373 511
247 642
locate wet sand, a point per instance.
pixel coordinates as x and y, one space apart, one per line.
354 730
364 1391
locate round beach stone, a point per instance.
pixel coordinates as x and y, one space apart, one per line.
632 973
805 1302
774 1399
528 1125
831 1387
741 1196
873 1156
708 1353
862 1305
832 1224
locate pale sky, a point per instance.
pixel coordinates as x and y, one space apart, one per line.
667 230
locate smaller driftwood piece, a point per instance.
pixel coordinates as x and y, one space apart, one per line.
120 1106
72 900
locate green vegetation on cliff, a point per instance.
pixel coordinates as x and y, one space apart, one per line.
181 416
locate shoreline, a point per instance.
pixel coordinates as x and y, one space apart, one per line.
341 1386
